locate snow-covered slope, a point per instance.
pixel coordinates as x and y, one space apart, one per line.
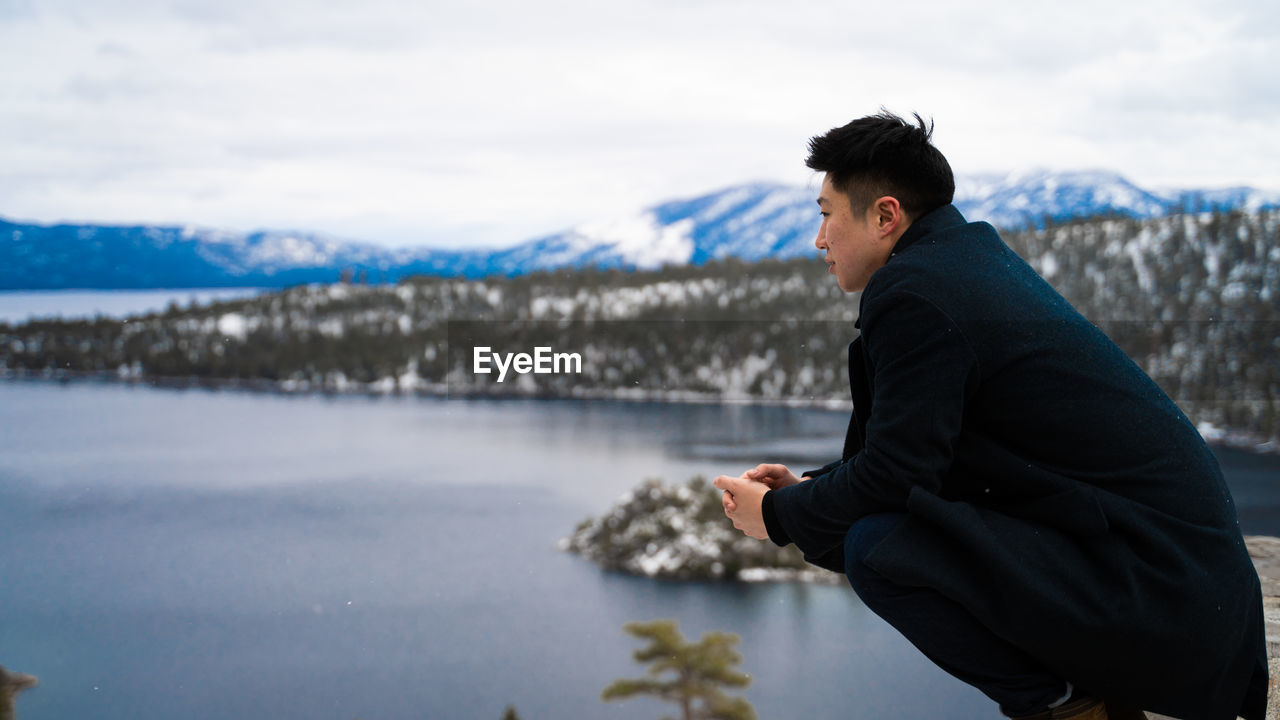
1021 199
750 221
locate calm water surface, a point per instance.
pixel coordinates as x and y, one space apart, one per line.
195 554
17 306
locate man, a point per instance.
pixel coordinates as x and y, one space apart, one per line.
1015 495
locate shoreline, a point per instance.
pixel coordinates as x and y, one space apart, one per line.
389 387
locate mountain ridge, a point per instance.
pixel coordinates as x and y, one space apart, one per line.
750 221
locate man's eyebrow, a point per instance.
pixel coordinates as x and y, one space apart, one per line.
821 200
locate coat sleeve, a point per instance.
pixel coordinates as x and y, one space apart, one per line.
923 372
822 470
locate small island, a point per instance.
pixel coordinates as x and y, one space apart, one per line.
680 532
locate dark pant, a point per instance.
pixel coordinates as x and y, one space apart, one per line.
945 632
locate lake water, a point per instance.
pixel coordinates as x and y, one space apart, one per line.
17 306
200 554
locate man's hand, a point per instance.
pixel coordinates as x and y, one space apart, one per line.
745 497
774 475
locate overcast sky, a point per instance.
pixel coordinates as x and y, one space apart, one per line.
467 123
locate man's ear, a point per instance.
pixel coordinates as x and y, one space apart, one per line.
889 217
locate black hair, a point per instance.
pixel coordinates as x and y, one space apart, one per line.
883 154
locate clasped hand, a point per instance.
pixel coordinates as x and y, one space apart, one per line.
744 494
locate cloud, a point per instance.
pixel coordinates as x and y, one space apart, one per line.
455 122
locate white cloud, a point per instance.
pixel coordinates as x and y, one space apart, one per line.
456 123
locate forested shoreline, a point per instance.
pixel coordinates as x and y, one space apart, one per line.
1194 299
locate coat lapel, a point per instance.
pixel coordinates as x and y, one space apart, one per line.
860 391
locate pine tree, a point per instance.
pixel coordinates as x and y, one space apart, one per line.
10 685
687 674
510 713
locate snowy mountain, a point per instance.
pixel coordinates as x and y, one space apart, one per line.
750 221
1025 199
93 256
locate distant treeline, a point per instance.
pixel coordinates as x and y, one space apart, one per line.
1193 298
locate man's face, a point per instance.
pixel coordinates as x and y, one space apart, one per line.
853 245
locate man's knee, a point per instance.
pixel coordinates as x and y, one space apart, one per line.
862 538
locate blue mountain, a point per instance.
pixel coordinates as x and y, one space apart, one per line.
751 221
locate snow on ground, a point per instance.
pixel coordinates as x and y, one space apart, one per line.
233 325
642 240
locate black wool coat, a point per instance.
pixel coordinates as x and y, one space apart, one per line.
1050 486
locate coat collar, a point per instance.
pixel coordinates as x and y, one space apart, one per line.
937 219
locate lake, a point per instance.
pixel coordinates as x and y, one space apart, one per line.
18 306
211 554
